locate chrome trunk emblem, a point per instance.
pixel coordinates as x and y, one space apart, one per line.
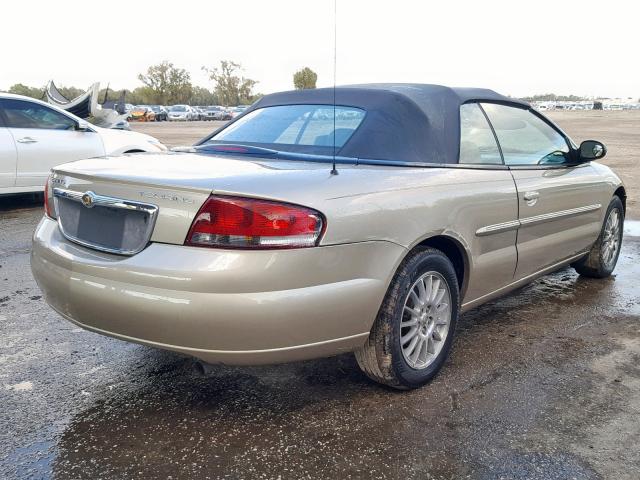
87 199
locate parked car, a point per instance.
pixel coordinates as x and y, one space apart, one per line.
287 235
225 114
216 113
126 108
209 113
235 111
180 113
198 114
202 113
160 112
36 136
143 113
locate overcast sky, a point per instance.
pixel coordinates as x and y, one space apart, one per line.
514 47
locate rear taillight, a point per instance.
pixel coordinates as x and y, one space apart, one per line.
49 209
235 222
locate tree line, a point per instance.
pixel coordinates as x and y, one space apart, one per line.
167 84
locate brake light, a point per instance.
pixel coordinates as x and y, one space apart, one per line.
48 199
236 222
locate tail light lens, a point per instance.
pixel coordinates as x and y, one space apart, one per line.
49 209
235 222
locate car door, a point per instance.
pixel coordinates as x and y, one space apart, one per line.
492 205
44 138
559 202
8 157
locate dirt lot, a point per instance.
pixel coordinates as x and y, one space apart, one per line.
619 130
542 384
175 134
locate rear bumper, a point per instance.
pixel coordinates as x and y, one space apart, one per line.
223 306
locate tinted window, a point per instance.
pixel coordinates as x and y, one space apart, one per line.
22 114
309 125
526 139
477 142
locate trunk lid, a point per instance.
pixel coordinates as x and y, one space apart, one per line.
179 183
176 183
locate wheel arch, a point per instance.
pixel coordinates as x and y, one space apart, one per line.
622 194
455 251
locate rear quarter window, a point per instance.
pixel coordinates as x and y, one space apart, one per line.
478 145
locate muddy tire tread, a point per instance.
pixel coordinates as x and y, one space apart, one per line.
375 357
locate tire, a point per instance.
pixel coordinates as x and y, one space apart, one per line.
382 358
601 260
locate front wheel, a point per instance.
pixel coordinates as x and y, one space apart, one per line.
414 329
603 256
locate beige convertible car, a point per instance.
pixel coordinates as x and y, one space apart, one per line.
319 222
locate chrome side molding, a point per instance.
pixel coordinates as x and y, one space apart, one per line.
498 228
547 217
537 219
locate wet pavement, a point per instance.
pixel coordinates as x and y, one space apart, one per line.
542 384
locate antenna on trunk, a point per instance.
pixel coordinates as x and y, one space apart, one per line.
335 49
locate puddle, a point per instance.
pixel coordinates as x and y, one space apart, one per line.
20 387
632 228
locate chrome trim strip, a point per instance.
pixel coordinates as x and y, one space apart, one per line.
548 217
498 228
535 220
112 202
106 201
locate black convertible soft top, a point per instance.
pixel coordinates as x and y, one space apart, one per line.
404 122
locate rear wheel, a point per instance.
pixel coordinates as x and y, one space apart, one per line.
414 330
603 256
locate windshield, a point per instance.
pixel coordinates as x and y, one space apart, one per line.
178 108
309 126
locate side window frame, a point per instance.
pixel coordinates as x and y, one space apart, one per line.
497 166
572 155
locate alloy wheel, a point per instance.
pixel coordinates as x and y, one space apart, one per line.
611 238
426 317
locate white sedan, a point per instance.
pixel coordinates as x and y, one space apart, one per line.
180 113
36 136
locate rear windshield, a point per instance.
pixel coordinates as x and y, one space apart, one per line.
294 125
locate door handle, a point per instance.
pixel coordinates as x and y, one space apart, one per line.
27 140
531 198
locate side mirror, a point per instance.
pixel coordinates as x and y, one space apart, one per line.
592 150
82 126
